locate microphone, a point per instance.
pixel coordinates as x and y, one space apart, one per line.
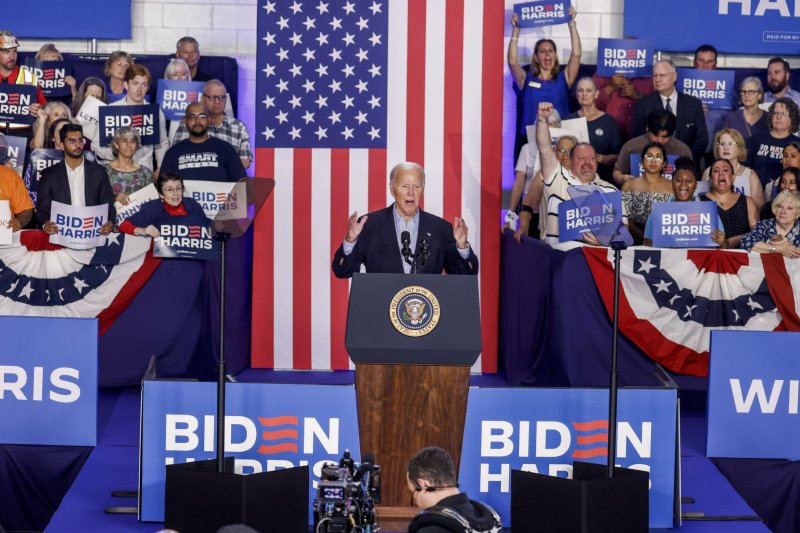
424 252
405 241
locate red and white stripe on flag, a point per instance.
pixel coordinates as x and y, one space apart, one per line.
444 105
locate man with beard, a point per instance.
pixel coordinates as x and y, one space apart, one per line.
201 157
778 81
557 179
74 181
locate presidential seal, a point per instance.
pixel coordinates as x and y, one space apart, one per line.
414 311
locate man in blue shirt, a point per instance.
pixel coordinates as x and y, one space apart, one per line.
201 157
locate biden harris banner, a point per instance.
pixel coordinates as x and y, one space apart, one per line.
591 213
264 432
219 200
546 13
630 57
712 87
174 96
753 391
52 77
545 430
745 26
15 101
48 381
684 224
143 118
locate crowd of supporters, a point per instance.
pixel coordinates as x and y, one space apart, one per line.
126 165
744 157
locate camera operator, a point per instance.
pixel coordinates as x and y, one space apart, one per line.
432 480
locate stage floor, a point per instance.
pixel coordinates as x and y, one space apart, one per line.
113 465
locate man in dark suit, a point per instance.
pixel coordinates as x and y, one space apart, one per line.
74 181
691 122
397 239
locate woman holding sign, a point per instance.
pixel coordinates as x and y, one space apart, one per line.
780 234
171 204
639 194
737 211
546 81
177 69
125 174
684 185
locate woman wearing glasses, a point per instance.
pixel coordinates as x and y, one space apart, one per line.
728 144
639 194
750 119
765 150
172 203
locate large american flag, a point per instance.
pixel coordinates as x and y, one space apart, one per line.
346 90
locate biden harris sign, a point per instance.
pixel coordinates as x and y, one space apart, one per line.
545 430
537 14
734 26
753 391
265 430
630 57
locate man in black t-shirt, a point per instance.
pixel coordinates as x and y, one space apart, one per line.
432 480
201 157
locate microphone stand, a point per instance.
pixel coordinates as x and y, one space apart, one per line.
618 246
424 252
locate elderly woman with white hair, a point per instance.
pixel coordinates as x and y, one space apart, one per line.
178 70
780 234
126 175
46 117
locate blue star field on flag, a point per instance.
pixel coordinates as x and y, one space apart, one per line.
321 78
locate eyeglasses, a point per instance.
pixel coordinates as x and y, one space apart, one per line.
749 92
654 157
171 190
783 114
74 140
562 150
197 116
727 144
216 98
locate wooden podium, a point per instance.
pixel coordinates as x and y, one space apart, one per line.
412 379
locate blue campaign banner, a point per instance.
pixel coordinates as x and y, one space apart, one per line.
545 430
143 118
712 87
185 241
265 431
51 76
48 381
637 169
631 57
753 384
542 13
15 151
684 224
14 103
588 214
750 27
174 96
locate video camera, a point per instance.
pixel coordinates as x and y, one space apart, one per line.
346 496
